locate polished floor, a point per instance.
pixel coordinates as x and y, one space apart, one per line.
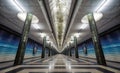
60 64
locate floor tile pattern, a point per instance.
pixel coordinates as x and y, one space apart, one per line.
60 64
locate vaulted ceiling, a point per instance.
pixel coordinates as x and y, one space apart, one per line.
71 18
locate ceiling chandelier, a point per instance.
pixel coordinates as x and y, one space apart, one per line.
60 10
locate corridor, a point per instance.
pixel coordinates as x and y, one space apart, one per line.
59 36
60 64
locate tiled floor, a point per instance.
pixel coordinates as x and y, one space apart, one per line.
60 64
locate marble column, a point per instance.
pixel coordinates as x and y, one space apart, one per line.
96 40
23 40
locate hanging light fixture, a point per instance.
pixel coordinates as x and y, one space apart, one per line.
60 11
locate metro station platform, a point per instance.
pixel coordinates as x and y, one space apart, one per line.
59 36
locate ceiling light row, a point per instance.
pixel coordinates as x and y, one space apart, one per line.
97 16
97 13
22 16
23 13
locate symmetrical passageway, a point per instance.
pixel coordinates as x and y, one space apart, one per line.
59 64
59 36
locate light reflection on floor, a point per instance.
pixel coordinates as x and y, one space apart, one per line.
60 64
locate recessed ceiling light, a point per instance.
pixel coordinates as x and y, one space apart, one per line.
72 37
48 41
97 17
71 42
42 35
77 35
47 37
36 26
83 26
22 16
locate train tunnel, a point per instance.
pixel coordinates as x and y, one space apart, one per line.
59 36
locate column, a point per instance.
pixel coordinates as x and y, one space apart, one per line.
43 48
85 49
67 51
70 50
76 47
52 51
23 40
49 49
96 41
48 52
